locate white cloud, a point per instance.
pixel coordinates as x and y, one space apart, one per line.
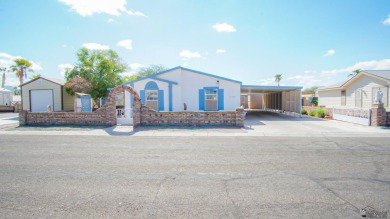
135 13
220 51
267 81
330 53
306 80
136 66
189 54
127 44
96 46
8 60
110 20
387 21
366 65
64 67
112 7
224 27
64 45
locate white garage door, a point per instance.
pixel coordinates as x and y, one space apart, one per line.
39 99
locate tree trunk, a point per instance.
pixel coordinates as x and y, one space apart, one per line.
3 81
21 77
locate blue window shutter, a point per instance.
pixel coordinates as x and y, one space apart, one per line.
160 100
221 99
201 99
142 93
131 100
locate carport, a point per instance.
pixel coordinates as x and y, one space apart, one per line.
281 99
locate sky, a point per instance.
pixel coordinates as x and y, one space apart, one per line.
311 43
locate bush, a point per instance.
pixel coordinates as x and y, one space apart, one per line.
304 111
312 113
320 112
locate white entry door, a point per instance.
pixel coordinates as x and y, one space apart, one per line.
40 99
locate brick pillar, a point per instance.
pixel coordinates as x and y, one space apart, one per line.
22 117
378 115
240 117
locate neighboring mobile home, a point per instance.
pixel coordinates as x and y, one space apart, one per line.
357 92
5 97
41 92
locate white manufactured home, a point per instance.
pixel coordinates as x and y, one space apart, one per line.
180 89
357 92
6 97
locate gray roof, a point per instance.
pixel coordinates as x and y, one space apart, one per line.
385 74
380 73
55 80
338 85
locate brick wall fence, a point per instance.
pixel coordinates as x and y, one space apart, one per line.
106 115
142 115
328 111
191 118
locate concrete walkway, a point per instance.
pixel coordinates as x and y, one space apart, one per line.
256 124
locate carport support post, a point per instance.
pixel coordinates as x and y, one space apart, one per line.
300 103
295 103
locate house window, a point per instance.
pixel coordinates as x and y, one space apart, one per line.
358 97
152 99
211 98
343 98
119 99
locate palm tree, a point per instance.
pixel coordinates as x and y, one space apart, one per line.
20 68
355 72
4 70
278 78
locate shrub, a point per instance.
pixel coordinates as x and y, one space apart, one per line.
312 113
320 112
304 111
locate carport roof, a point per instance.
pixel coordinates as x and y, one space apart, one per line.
267 89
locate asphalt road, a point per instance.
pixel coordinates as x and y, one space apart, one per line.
192 177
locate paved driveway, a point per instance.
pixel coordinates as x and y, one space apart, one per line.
276 124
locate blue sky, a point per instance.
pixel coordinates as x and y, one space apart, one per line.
309 42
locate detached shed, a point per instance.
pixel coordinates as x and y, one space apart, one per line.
41 92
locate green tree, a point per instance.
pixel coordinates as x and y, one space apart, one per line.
311 89
355 72
150 70
35 76
21 67
278 78
100 67
128 78
144 72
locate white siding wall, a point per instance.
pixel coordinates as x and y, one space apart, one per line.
42 84
187 90
366 83
329 98
332 98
